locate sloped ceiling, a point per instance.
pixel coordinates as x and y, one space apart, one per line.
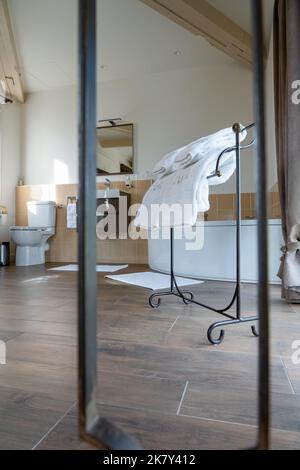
133 40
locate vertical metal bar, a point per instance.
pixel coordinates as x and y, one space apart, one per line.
87 215
97 430
237 129
172 258
261 208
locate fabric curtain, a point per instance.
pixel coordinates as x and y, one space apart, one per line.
287 118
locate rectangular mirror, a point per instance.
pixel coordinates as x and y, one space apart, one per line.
115 149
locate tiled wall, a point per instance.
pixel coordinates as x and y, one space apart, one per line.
223 206
274 208
63 245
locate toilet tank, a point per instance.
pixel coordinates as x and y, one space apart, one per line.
41 213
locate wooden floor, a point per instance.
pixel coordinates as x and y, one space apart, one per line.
159 379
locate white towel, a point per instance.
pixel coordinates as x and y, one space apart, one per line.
165 164
71 216
185 192
185 183
194 151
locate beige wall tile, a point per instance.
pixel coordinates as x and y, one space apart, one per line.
275 198
253 201
246 201
213 201
276 212
226 202
63 245
226 215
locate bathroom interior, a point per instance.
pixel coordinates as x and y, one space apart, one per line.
161 85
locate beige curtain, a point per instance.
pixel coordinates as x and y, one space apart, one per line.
287 115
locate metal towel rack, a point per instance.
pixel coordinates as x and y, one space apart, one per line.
188 296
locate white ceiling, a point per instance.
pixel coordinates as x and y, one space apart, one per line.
133 40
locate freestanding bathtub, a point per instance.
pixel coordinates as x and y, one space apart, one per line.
217 259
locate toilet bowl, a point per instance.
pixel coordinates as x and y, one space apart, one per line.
31 241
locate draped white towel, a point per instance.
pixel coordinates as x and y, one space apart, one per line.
71 216
165 164
184 182
192 152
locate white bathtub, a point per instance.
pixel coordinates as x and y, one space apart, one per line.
217 259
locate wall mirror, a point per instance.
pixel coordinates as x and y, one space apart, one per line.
115 149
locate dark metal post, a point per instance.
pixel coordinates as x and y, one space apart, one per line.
237 130
172 257
261 208
87 214
97 430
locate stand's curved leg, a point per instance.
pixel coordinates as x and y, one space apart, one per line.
154 304
185 300
254 331
221 324
210 338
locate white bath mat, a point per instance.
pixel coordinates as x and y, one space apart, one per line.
101 268
153 281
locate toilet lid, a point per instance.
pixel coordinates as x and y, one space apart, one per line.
28 229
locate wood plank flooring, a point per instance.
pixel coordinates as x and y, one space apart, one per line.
159 379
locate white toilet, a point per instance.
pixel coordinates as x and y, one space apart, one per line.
31 242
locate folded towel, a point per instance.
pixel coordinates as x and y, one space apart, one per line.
71 216
182 185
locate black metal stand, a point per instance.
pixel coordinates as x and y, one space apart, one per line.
187 296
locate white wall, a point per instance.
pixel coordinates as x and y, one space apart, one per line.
49 141
10 129
172 109
168 110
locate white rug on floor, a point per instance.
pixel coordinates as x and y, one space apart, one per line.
101 268
153 281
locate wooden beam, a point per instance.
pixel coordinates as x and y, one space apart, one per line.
202 19
9 68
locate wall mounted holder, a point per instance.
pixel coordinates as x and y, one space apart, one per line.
71 200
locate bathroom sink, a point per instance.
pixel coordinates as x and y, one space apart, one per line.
110 193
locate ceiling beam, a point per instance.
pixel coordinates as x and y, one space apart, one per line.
202 19
9 68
